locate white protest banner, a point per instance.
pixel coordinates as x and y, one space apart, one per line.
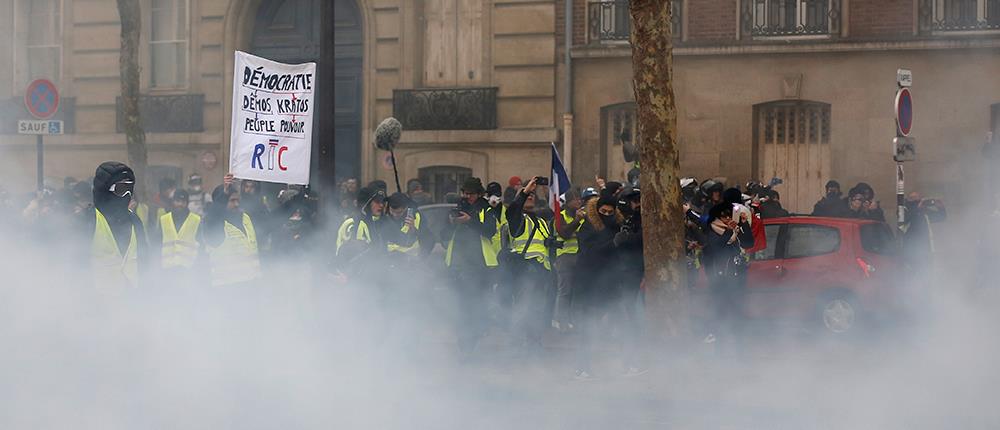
272 120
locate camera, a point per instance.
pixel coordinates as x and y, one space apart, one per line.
542 180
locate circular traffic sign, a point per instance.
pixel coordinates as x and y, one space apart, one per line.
904 112
42 98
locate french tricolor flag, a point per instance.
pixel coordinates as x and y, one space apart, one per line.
558 185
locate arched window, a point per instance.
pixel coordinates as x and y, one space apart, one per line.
792 142
618 133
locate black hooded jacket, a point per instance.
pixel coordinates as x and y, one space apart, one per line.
115 210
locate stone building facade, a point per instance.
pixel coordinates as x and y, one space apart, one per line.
800 89
473 81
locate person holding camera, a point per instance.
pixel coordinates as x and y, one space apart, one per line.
529 263
726 268
470 256
573 218
832 204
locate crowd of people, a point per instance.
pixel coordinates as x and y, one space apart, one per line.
509 260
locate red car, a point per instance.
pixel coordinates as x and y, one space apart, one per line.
834 271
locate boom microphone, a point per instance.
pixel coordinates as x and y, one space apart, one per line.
388 133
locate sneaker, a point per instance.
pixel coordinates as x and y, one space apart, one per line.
635 371
710 338
583 375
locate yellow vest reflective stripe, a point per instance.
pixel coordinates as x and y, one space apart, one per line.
536 249
571 245
109 267
414 249
489 253
345 234
236 259
501 221
180 248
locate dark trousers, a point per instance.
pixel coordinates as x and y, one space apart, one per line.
631 310
471 288
728 294
533 286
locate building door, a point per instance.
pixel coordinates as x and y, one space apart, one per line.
293 31
792 142
440 181
347 75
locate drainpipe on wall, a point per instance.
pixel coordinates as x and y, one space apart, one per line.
567 155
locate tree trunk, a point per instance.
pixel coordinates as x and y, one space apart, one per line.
663 223
128 64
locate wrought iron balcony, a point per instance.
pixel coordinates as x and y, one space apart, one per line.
446 108
609 20
959 15
783 18
167 113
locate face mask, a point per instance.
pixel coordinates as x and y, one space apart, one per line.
609 220
494 200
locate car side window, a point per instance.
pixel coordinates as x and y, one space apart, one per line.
770 252
807 240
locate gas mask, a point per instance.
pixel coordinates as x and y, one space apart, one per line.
493 200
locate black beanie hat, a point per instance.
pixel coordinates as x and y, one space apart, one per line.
732 195
494 189
366 195
398 200
833 184
472 184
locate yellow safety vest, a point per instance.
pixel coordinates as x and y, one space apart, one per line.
536 249
109 267
501 221
180 248
571 245
489 253
362 233
236 259
412 250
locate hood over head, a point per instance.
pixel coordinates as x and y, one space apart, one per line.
106 175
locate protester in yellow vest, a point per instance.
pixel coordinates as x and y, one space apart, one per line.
230 239
177 236
533 279
118 249
362 232
494 196
469 257
404 230
567 249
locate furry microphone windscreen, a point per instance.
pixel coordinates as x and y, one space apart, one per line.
387 134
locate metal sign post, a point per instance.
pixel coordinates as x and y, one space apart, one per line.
41 98
904 148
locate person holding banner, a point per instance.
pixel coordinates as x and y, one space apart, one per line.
230 238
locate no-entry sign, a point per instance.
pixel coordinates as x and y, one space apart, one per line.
42 99
904 112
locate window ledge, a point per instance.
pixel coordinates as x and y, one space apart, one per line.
784 47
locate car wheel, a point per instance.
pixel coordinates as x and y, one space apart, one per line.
838 313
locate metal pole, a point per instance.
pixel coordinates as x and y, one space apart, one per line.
900 197
41 162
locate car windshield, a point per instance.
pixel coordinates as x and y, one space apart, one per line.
878 239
